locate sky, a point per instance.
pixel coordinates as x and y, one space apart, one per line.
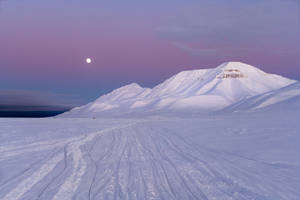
44 44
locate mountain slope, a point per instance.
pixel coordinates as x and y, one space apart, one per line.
283 98
118 98
201 90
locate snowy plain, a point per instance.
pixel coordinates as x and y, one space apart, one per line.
252 155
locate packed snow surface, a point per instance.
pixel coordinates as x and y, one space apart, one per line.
226 156
203 90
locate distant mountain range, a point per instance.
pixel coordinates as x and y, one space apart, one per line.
230 86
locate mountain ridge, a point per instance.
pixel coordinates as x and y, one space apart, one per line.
201 90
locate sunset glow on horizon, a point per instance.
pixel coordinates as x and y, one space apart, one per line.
43 44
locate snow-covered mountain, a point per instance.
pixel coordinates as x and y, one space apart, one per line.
200 90
287 98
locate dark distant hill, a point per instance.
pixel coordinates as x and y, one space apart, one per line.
30 111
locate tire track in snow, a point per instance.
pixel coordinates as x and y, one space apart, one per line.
107 154
229 186
57 176
37 176
159 147
155 187
118 188
96 168
143 162
11 151
11 179
107 174
6 152
72 182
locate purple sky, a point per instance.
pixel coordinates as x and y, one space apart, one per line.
43 44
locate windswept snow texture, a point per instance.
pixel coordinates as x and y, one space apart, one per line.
287 98
253 156
203 90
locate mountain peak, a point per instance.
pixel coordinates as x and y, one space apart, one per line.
131 86
238 66
124 92
230 63
230 69
238 70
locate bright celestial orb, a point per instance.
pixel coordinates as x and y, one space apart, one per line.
88 60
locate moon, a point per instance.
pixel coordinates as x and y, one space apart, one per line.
88 60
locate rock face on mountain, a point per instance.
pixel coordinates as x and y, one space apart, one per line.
202 90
